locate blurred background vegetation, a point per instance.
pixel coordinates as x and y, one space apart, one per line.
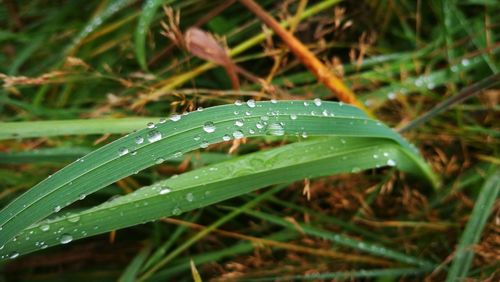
91 59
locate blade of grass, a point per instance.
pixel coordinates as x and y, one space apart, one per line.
29 129
464 94
383 274
209 185
472 233
343 240
131 271
44 155
166 140
149 10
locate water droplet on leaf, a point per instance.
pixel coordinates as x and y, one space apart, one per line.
209 127
276 129
65 238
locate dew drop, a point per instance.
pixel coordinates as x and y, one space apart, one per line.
293 116
465 62
139 140
177 154
391 95
122 151
176 211
264 118
317 102
276 129
189 197
154 136
163 120
13 255
391 162
175 117
259 125
209 127
375 156
57 208
45 227
197 137
238 103
239 123
159 160
200 109
306 103
74 219
150 125
274 101
65 238
251 131
226 137
238 134
251 103
204 144
165 191
304 134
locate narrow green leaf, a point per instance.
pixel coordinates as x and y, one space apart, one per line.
130 273
210 185
44 155
149 9
343 240
28 129
179 135
472 233
113 8
347 275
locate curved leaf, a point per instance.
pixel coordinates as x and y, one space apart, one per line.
148 13
213 184
170 139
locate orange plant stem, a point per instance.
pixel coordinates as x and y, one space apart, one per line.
306 56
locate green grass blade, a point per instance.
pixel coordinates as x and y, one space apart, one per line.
149 9
44 155
166 140
343 240
208 185
113 8
472 233
29 129
130 273
382 274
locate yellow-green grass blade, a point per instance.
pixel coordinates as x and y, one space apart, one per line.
169 139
